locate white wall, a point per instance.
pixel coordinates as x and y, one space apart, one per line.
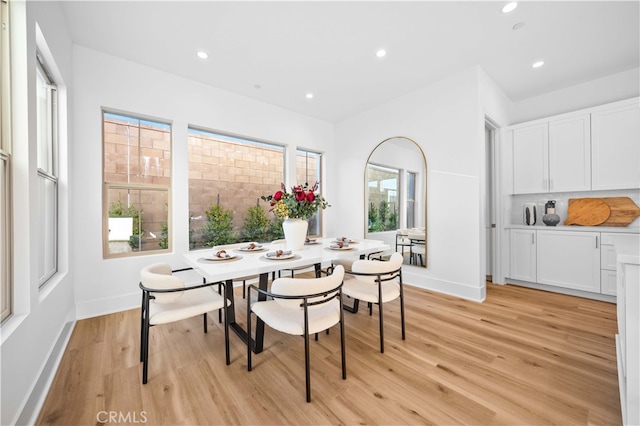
612 88
446 120
33 338
104 286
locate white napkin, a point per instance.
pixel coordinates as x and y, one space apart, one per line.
255 246
278 253
343 240
222 254
339 245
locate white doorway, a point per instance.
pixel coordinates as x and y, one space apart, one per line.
490 214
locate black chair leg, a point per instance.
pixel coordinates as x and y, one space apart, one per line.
307 366
381 328
204 317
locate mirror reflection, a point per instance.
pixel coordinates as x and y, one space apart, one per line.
395 198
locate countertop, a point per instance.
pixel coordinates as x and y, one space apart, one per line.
634 229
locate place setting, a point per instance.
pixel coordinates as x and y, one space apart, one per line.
220 256
311 241
278 255
251 248
340 244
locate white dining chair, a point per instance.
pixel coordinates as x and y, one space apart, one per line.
300 307
166 299
376 282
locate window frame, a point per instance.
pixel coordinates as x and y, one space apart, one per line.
47 173
107 186
230 138
399 176
6 242
318 178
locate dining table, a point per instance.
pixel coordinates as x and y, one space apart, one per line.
245 259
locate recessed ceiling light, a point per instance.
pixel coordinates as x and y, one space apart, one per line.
257 86
537 64
309 95
202 54
381 53
509 7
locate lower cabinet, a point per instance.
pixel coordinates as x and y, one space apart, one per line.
523 255
569 259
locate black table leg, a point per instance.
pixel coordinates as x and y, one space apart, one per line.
257 344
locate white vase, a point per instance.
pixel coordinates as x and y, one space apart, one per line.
295 232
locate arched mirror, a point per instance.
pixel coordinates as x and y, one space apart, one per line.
396 198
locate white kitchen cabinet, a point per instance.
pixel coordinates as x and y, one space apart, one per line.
615 145
570 154
608 282
523 254
552 156
531 159
569 259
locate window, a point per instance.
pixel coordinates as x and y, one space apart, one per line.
308 170
227 177
6 296
137 183
411 199
384 187
47 140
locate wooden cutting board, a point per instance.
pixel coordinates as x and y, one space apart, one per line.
587 212
623 211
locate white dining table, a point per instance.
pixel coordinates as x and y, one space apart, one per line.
243 263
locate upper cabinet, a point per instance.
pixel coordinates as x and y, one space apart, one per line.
592 149
552 156
615 144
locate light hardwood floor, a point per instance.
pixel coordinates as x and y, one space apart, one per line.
523 357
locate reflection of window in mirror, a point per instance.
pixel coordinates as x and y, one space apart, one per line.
411 199
384 188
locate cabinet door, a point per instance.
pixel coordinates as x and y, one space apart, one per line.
570 154
615 144
523 254
530 159
608 282
569 259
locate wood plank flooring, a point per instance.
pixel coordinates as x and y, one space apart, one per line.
523 357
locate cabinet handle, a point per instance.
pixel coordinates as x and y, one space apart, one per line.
596 241
532 240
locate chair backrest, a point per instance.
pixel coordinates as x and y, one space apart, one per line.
306 287
158 276
384 268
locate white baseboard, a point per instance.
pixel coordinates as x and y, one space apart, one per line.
31 409
464 291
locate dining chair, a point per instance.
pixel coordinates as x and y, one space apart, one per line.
376 282
301 306
166 299
417 249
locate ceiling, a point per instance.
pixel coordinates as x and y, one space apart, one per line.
279 51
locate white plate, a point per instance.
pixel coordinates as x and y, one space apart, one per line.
283 257
247 249
340 248
216 258
345 241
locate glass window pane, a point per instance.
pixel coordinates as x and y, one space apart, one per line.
138 220
45 127
384 187
411 199
136 151
5 295
47 235
308 168
227 177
